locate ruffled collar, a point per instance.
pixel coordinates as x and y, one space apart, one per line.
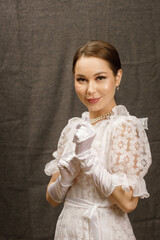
118 110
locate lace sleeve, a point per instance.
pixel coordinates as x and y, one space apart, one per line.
52 166
130 155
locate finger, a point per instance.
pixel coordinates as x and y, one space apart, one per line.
64 166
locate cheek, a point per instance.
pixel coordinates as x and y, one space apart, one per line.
79 89
108 86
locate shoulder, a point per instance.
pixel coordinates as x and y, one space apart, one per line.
123 119
129 126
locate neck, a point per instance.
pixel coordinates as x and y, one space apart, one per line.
102 117
96 114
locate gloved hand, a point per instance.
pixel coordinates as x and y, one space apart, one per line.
83 138
69 168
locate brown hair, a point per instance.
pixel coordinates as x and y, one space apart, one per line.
101 50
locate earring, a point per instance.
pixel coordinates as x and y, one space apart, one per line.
117 88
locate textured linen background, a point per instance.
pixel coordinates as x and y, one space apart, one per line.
37 42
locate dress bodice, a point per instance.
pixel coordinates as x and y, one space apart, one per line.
121 146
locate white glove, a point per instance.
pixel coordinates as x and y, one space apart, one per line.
68 167
83 138
102 179
105 181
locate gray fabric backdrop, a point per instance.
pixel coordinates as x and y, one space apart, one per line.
37 42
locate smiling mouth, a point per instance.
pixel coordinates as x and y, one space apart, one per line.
93 100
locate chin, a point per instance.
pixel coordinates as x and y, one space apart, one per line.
94 109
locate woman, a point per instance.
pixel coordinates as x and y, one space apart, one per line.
101 158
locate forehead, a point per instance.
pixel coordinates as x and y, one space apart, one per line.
91 65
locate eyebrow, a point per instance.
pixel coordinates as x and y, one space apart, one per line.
81 75
100 73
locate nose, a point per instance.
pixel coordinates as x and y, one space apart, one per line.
91 88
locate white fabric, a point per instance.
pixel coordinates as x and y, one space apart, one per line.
83 137
69 168
122 148
57 190
130 153
105 181
91 214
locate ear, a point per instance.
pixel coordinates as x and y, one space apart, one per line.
118 77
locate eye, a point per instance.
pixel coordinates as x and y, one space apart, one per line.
80 79
101 77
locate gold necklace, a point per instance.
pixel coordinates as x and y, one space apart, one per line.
100 118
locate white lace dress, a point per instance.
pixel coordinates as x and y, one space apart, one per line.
122 147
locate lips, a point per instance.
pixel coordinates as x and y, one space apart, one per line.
93 100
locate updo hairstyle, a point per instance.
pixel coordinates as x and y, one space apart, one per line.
99 49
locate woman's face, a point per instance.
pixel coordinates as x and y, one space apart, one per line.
95 85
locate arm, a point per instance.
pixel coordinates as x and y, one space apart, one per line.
124 200
130 154
61 181
48 197
111 187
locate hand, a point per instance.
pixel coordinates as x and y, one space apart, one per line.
89 163
69 168
84 137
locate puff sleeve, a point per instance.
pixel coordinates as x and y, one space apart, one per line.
52 166
130 156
